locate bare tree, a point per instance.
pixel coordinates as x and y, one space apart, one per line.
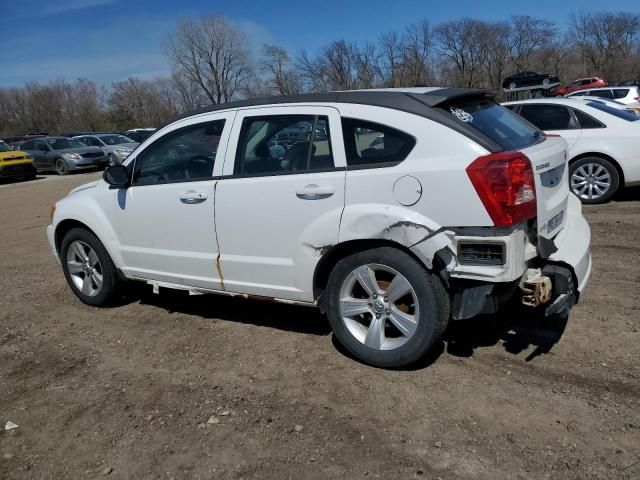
528 34
282 78
211 52
137 103
607 42
417 52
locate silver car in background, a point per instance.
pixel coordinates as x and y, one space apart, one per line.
116 146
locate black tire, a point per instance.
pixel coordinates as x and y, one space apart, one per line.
109 273
432 299
61 167
608 166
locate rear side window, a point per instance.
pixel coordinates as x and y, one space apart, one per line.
620 92
604 93
548 117
623 114
581 93
587 121
27 145
498 123
369 144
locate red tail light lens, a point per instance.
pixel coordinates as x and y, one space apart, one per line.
506 186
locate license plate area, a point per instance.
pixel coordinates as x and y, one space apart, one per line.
554 222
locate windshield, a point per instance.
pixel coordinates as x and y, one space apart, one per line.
115 139
623 114
498 123
4 147
64 143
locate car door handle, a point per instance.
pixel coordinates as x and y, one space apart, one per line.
191 197
314 192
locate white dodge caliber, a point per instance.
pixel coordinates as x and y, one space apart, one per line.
393 211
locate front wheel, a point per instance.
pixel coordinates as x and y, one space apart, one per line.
61 167
385 308
594 179
88 268
113 160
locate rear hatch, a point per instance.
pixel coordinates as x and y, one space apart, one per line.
549 162
503 130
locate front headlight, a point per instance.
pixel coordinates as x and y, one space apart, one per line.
123 151
72 156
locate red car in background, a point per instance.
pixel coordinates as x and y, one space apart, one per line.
580 84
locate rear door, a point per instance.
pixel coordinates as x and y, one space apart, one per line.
280 200
554 119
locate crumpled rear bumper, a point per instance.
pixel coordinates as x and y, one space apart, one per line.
574 243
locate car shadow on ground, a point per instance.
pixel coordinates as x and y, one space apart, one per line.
515 328
629 194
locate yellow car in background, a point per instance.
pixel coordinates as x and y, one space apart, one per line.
15 165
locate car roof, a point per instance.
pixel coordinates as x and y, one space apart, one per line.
415 100
560 101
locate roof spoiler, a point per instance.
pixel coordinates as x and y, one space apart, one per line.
445 95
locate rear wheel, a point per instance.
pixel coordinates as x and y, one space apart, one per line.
88 268
61 167
385 308
594 179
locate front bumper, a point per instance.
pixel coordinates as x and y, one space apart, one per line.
87 163
17 170
51 236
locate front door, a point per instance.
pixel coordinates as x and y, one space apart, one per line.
165 220
280 200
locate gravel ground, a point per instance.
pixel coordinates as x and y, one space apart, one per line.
170 386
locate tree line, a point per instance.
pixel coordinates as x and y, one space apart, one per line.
212 63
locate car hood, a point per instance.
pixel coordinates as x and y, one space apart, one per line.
84 187
80 150
13 155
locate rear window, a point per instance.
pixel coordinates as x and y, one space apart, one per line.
623 114
500 124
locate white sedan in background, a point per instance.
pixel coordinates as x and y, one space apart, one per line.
603 142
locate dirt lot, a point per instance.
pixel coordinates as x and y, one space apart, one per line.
127 392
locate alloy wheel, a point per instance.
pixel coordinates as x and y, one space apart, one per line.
85 269
379 307
590 181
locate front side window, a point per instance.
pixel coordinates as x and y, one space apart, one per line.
548 117
368 143
40 146
496 122
187 154
283 144
4 147
27 145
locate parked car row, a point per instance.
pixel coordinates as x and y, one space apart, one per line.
64 154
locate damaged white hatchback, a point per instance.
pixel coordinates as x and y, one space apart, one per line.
391 210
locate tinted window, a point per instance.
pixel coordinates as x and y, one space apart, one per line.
496 122
548 117
90 141
368 143
40 145
624 115
587 121
603 93
27 145
580 93
281 144
62 143
185 155
620 92
115 139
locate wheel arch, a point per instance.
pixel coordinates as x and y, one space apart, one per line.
65 226
605 157
342 250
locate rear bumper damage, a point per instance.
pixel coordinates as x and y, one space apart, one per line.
552 284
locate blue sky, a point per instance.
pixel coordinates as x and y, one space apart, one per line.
110 40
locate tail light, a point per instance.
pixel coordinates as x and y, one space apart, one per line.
505 184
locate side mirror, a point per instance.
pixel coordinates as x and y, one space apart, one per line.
116 176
